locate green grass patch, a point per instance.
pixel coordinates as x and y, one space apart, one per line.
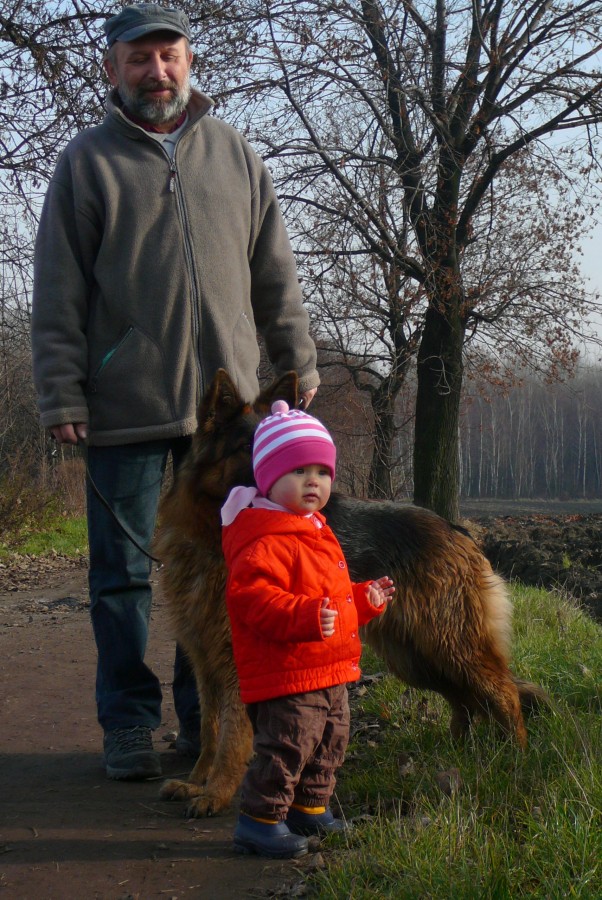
519 824
56 534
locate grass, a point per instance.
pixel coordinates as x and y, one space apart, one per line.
519 825
58 534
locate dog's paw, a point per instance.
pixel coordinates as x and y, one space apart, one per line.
206 804
179 790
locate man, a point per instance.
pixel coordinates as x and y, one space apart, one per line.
161 252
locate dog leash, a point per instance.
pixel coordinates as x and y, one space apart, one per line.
84 450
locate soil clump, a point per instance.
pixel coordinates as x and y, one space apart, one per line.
560 552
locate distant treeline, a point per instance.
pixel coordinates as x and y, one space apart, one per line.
537 440
533 440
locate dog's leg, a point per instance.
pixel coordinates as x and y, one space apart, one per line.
489 689
506 709
226 743
461 719
175 789
232 754
210 724
478 665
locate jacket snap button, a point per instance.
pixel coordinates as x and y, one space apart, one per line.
349 598
341 564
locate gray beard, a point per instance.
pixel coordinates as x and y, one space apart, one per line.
156 112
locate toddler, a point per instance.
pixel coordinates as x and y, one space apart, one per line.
295 616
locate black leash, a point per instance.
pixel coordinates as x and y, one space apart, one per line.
83 447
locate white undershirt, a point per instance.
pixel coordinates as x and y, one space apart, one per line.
169 141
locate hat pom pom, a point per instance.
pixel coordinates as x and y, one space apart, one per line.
280 406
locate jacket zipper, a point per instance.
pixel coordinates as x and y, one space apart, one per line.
196 325
174 187
107 358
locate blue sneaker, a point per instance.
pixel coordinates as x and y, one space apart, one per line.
267 839
321 823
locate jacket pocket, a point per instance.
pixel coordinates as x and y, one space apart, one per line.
129 387
106 359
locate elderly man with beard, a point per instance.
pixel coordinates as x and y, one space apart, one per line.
161 252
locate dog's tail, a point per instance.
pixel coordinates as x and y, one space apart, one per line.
532 696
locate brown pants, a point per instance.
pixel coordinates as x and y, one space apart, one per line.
299 743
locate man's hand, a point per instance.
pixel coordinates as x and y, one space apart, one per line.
306 398
69 434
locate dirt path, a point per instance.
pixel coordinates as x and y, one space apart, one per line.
66 831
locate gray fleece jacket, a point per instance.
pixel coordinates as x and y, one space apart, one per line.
150 274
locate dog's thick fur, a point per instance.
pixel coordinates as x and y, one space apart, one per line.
447 628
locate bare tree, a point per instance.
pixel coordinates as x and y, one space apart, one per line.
443 104
50 88
408 143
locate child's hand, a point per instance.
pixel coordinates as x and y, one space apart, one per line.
379 591
327 618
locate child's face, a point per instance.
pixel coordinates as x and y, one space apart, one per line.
304 490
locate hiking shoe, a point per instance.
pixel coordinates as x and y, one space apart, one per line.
129 754
321 823
188 741
273 840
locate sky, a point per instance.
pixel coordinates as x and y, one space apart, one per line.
591 266
592 257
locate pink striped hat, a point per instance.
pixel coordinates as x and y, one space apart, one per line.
287 440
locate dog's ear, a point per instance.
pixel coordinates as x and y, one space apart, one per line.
221 401
284 388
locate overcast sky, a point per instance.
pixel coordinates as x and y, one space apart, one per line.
592 257
591 265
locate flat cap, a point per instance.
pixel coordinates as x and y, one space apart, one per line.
143 18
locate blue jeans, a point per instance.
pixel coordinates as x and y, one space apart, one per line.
128 693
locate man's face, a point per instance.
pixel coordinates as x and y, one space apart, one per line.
152 76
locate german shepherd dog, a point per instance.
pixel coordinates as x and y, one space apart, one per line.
447 628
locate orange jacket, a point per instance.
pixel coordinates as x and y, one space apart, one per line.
280 568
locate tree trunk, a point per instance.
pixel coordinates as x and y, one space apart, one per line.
381 467
440 371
